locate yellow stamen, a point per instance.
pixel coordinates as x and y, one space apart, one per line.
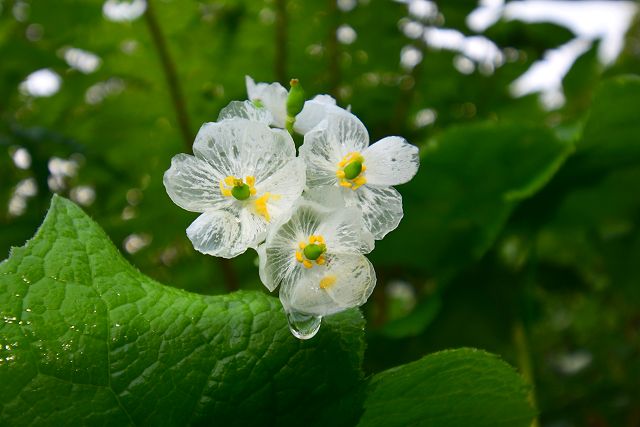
250 180
340 174
299 256
307 263
302 245
224 191
345 184
359 182
261 204
321 260
230 181
327 282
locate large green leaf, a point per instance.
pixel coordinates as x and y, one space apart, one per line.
86 338
470 179
462 387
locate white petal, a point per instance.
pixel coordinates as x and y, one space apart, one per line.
273 96
324 146
314 111
353 279
381 208
391 161
285 186
216 233
193 185
252 87
245 110
241 147
221 233
344 233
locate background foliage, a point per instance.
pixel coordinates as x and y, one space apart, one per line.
521 231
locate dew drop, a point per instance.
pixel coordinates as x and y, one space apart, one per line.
303 326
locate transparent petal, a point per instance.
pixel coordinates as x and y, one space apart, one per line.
314 111
217 233
273 96
348 281
241 147
285 186
391 161
329 196
324 146
245 110
343 231
253 228
262 262
193 185
381 208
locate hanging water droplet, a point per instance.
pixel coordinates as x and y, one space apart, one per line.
303 326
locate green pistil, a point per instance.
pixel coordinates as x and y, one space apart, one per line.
312 252
241 192
353 169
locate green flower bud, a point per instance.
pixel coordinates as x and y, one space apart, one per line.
241 192
295 100
353 169
313 251
258 103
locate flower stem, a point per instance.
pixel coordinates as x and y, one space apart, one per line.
179 106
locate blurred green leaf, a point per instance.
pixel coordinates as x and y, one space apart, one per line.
469 180
462 387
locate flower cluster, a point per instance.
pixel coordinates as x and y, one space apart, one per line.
312 217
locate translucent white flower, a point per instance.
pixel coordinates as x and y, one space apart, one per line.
273 96
243 176
316 256
337 153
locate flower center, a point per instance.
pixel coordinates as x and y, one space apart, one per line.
312 251
350 170
243 190
237 188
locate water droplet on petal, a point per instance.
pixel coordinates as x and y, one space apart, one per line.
303 326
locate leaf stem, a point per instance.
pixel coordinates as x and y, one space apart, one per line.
179 106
